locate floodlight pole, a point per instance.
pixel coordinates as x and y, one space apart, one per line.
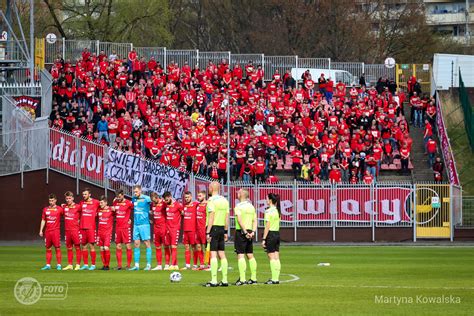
32 46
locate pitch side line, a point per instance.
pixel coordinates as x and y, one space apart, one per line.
388 287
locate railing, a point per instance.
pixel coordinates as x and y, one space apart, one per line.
467 219
445 144
24 142
72 50
303 204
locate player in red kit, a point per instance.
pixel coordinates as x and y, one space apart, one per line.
123 230
50 223
104 232
189 230
159 228
173 211
72 214
89 211
201 228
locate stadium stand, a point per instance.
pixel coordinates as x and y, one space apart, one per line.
316 128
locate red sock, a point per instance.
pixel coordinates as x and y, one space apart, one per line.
58 255
85 258
78 255
195 257
70 256
118 254
129 257
93 256
174 256
159 255
187 256
107 257
167 255
102 257
201 257
49 255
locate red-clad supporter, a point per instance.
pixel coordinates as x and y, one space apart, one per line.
166 112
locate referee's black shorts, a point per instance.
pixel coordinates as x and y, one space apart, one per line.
272 242
217 238
242 244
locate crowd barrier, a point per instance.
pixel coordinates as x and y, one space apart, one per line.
303 204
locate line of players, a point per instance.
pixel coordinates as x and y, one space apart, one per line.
82 232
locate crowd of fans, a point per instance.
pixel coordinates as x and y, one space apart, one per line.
177 114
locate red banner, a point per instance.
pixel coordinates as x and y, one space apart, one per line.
349 204
64 154
445 145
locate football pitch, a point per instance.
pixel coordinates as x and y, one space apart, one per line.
382 280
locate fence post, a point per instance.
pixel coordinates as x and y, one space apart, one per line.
296 63
372 199
363 69
414 212
22 163
295 210
78 164
329 64
131 46
64 48
197 57
106 180
97 47
48 158
164 58
257 198
451 213
263 63
228 60
333 210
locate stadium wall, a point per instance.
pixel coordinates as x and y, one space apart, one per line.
20 213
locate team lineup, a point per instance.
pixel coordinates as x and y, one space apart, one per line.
203 224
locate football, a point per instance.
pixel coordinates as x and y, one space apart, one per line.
175 277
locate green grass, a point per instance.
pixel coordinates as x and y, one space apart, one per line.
349 286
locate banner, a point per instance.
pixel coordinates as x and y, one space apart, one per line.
31 105
344 204
67 150
445 145
152 176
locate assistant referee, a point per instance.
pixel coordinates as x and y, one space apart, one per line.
216 233
271 236
245 227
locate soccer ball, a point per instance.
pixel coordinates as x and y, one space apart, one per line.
175 277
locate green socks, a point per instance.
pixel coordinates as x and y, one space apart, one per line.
224 267
214 267
275 267
253 269
243 268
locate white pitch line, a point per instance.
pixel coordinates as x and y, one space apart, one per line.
388 287
294 278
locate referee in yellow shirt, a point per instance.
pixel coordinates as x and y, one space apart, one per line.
271 236
245 227
216 233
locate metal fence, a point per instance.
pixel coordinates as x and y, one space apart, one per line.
215 57
427 209
465 215
72 49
